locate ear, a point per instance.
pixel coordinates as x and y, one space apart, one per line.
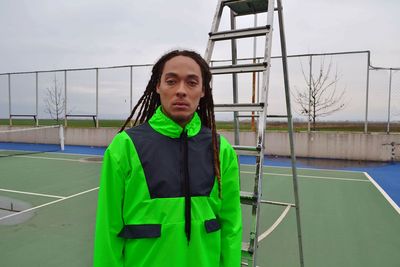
202 92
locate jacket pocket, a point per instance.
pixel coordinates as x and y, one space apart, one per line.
212 225
140 231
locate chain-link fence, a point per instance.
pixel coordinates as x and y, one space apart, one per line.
352 91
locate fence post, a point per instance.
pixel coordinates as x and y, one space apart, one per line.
37 99
97 97
65 99
309 97
9 99
390 96
366 93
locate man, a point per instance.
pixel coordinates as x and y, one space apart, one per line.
169 191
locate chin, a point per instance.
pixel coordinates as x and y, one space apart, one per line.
181 118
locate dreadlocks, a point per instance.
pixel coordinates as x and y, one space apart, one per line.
150 100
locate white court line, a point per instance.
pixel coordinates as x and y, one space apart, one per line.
29 193
57 153
302 168
75 154
30 129
388 198
313 177
62 159
276 223
47 204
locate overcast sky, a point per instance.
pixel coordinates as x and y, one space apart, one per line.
45 34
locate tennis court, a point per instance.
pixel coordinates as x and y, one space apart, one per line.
48 207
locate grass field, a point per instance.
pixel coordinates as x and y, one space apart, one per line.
228 125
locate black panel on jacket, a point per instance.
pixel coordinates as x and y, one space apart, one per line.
162 162
212 225
140 231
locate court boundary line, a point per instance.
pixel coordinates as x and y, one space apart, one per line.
61 159
55 152
48 204
275 224
383 192
75 154
311 176
302 168
30 193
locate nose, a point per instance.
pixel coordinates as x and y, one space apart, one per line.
181 90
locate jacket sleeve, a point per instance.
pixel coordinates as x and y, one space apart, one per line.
108 247
230 214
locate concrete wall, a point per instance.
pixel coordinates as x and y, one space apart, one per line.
334 145
331 145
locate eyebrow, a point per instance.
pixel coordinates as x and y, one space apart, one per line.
190 76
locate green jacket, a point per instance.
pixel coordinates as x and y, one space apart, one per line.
146 218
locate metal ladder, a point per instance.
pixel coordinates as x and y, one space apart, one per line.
254 199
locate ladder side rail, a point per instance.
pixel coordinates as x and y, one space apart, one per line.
261 129
214 28
267 55
234 80
290 129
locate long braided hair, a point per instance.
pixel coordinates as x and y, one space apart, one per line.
150 100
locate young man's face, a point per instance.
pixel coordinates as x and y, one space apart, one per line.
180 88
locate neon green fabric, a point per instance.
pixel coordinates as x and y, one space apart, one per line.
124 199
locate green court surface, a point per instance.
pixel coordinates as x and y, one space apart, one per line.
346 220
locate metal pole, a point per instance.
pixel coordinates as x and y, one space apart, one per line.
253 92
234 81
390 96
65 99
130 90
97 98
290 128
212 80
258 84
37 99
367 93
309 97
9 99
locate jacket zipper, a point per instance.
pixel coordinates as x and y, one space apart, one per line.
186 182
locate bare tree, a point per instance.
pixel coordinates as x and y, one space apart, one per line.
54 101
321 97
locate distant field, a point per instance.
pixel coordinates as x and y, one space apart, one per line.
228 125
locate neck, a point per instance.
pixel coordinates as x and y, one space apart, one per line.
181 121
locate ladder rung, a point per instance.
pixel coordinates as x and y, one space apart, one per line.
247 153
256 67
250 198
239 33
247 150
247 195
246 247
238 107
246 7
246 264
277 203
248 116
277 116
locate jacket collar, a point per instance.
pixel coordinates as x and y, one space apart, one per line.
166 126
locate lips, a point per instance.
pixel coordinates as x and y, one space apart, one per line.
180 105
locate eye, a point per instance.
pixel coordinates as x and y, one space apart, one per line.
170 82
193 83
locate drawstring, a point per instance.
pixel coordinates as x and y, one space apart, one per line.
188 203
